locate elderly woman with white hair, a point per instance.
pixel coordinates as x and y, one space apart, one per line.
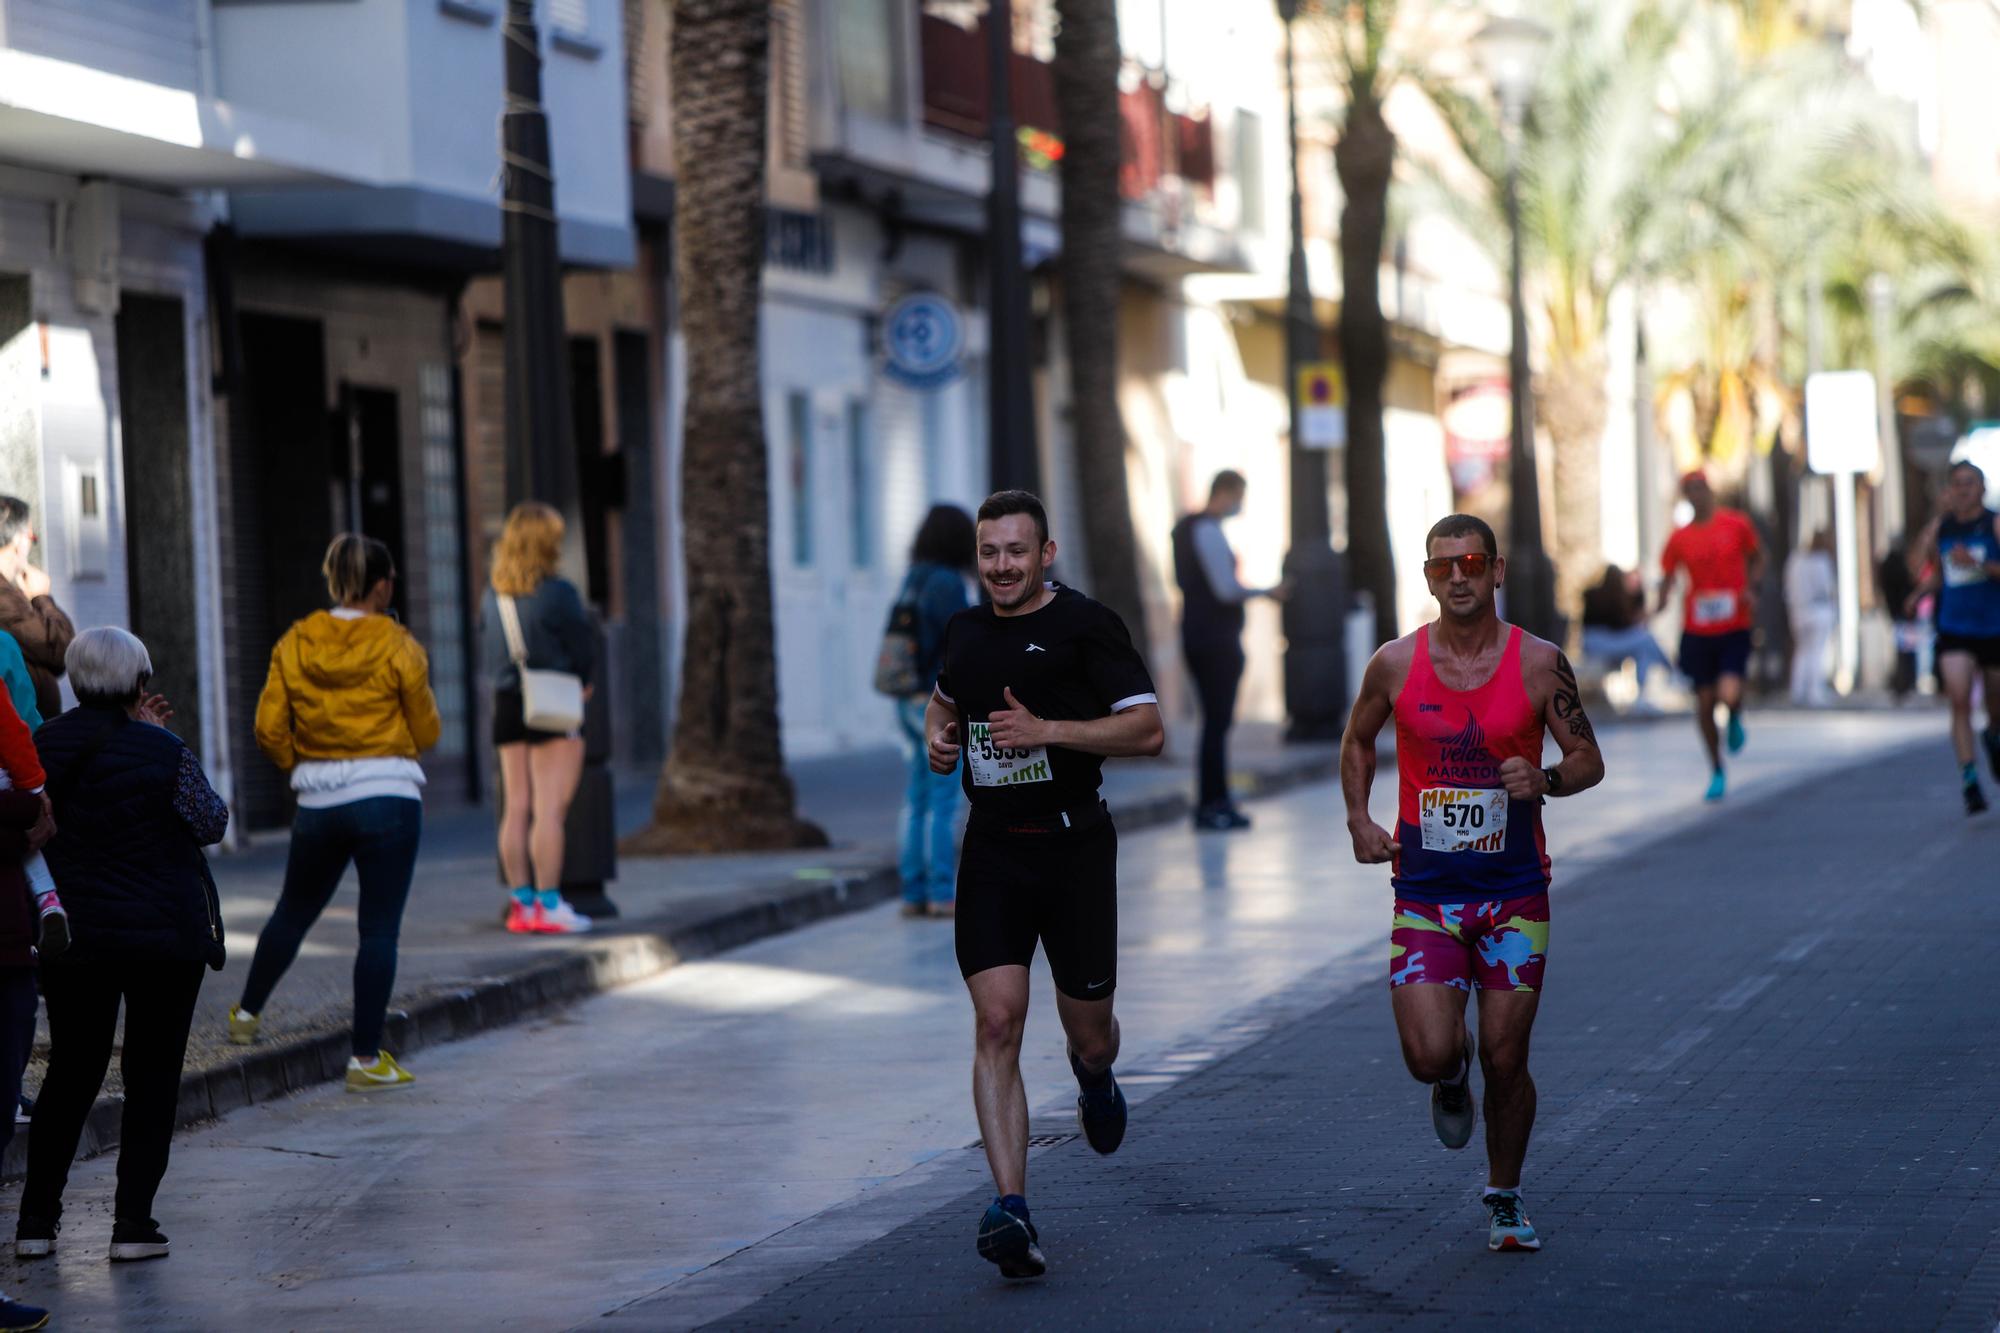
133 811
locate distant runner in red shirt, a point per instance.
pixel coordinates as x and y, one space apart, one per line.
1723 560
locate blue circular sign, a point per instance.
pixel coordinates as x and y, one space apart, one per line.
923 341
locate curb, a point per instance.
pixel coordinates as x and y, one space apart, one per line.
644 948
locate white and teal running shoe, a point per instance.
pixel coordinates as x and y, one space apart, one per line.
1511 1229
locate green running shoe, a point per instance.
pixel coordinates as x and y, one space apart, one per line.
1008 1240
1511 1229
1718 787
1736 736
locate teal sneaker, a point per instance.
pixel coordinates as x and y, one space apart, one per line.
1008 1240
1736 736
1511 1229
1718 787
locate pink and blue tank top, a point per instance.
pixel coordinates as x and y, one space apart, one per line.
1463 838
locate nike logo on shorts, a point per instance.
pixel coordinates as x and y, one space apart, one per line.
1036 648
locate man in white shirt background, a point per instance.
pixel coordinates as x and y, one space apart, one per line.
1212 599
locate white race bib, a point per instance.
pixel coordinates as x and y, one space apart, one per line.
993 766
1966 576
1463 819
1712 608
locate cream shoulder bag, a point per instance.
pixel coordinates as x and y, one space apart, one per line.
550 700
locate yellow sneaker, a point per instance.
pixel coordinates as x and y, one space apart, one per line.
384 1073
242 1026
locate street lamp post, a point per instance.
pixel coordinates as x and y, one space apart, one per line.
540 462
1315 617
1010 393
1511 50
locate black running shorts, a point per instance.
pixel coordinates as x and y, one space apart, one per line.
1058 887
1985 650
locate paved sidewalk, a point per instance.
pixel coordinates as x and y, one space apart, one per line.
459 972
1762 1105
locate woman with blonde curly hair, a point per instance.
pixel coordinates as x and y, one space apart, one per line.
539 770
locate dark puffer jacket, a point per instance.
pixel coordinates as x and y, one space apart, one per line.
132 815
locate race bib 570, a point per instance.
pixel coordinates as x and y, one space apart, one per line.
996 766
1463 819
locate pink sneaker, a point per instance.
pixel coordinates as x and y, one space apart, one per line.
524 919
562 919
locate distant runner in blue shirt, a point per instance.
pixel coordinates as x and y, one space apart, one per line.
1962 548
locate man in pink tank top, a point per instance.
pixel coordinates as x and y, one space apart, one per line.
1472 698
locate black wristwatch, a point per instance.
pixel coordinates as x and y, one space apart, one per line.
1554 777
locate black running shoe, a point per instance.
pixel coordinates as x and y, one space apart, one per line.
1220 819
1975 799
1009 1240
35 1237
137 1239
1100 1111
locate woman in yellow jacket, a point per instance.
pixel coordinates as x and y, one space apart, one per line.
346 710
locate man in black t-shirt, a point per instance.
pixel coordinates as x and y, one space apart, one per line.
1036 690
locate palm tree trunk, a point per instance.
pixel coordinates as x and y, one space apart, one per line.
724 787
1574 408
1087 59
1365 157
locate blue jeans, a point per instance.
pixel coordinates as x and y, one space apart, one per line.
1614 646
929 859
380 836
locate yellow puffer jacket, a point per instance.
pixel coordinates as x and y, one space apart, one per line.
347 689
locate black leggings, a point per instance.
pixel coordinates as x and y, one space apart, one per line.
83 999
380 836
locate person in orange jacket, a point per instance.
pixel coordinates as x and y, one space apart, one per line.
346 710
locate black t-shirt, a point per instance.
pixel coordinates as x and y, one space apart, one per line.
1071 661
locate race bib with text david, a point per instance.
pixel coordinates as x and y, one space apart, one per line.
1463 819
996 766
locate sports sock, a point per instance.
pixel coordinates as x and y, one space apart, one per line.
1492 1190
551 898
1969 775
525 895
48 902
1085 1079
1015 1204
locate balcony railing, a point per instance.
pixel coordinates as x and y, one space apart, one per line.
1157 143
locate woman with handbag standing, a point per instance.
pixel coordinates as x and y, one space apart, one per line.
540 652
133 812
346 710
937 588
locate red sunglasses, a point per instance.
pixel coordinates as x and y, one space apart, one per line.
1472 564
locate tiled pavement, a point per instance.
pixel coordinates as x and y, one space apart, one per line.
1766 1102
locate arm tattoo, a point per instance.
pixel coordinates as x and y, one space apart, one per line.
1568 702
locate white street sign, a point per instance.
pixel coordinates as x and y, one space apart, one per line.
1843 428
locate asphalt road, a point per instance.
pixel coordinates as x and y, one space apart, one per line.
1762 1101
